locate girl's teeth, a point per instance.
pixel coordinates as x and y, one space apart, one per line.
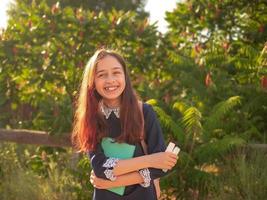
111 88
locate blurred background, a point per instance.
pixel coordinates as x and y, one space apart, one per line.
201 64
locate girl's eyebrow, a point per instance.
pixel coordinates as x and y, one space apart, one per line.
100 71
117 68
103 70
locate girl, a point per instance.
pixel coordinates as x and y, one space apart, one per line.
107 107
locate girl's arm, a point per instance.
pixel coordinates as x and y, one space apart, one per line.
107 168
160 160
123 180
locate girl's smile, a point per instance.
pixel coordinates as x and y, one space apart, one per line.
111 88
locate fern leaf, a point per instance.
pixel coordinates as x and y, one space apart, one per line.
215 59
191 121
180 106
171 125
152 102
180 60
220 110
249 51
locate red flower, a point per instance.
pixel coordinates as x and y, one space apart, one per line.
81 34
208 80
218 12
226 45
55 8
264 82
81 19
197 48
14 51
261 28
30 24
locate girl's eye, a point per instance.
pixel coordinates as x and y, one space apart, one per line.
100 75
118 72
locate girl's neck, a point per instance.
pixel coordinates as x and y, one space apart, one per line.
112 103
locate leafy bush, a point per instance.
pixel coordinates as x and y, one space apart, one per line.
28 173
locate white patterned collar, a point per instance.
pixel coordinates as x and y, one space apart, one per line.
107 111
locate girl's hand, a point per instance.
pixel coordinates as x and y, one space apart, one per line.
99 183
162 160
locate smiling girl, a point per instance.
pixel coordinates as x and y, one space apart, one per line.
108 107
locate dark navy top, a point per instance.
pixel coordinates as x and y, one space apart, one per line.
155 143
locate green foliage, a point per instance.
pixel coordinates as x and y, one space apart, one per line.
243 177
28 173
169 124
201 145
191 120
216 148
94 4
206 78
219 50
44 50
215 120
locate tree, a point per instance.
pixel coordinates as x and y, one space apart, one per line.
44 50
211 69
93 5
218 48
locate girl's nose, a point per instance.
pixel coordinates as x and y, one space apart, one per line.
110 79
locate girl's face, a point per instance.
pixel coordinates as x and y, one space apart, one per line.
110 80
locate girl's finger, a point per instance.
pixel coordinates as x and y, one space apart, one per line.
174 156
93 181
170 163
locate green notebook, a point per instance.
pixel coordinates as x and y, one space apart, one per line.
117 150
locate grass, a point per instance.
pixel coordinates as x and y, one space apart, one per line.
27 173
244 177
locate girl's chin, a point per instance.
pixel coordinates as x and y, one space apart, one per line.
111 98
112 102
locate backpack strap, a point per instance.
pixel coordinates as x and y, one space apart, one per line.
143 143
144 147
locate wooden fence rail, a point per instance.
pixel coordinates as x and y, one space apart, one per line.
43 138
34 137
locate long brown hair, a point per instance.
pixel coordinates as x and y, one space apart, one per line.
89 125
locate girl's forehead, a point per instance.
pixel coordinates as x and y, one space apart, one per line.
108 63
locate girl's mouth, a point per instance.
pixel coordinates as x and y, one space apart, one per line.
110 89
